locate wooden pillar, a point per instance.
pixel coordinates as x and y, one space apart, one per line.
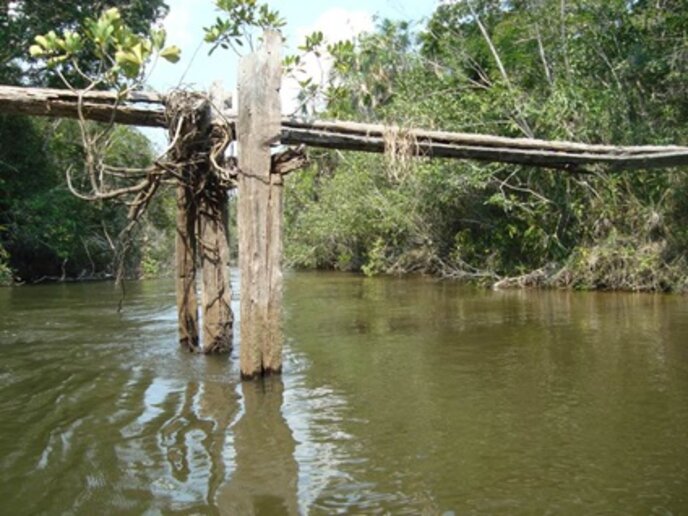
202 236
187 304
214 250
216 293
260 210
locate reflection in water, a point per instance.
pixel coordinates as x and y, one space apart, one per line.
177 446
399 396
471 401
264 480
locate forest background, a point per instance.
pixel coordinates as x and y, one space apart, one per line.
597 71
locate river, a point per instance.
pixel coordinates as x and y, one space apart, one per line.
402 396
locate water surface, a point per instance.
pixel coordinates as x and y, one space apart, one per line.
399 395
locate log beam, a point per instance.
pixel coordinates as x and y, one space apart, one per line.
301 128
138 108
147 109
622 158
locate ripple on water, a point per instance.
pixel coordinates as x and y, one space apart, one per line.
399 396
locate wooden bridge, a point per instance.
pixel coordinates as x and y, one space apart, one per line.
259 128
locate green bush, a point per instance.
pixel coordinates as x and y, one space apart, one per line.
608 77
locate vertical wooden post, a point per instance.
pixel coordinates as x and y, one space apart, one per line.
187 304
260 210
216 294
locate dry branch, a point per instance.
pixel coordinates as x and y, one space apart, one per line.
289 160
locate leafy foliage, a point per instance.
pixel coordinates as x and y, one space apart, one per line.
240 20
596 71
21 21
47 232
122 54
44 230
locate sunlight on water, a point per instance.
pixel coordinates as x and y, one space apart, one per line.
404 396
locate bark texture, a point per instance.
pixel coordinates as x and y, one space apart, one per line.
185 249
260 210
138 108
198 148
214 251
145 109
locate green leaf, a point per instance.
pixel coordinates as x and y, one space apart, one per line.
138 52
158 38
124 58
72 42
111 15
36 51
56 60
171 54
42 41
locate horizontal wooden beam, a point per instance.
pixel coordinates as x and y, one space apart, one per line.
138 108
338 127
148 109
514 155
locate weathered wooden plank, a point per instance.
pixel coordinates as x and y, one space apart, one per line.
139 108
185 253
216 293
260 210
145 109
342 128
514 155
653 160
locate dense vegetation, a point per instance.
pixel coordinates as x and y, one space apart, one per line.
44 230
598 71
584 70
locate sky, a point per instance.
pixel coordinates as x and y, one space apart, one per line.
337 19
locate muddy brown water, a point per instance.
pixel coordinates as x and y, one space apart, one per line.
401 396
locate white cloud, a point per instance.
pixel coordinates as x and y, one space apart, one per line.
177 23
336 24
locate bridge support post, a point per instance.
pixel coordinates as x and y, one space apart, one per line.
202 237
216 294
260 210
213 239
185 258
